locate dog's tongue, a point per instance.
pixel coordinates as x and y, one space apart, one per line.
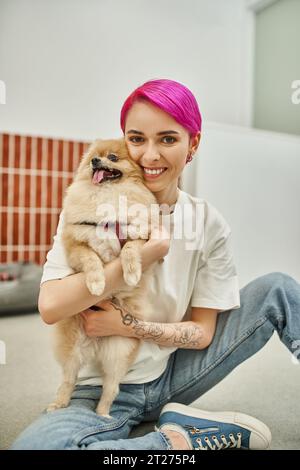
98 176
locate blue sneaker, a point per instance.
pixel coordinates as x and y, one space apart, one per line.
205 430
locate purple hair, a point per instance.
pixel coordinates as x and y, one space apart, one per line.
170 96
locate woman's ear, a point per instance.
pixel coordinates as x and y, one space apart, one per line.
195 141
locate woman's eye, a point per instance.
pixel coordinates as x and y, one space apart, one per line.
169 137
112 157
166 137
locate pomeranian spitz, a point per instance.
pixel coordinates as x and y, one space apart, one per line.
92 236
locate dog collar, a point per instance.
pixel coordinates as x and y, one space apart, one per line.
119 232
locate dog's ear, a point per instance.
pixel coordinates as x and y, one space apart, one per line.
84 158
90 148
97 146
123 148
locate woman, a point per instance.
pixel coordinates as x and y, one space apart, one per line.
185 357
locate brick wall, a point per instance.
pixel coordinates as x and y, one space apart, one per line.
34 173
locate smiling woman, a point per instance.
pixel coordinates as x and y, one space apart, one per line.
161 134
204 326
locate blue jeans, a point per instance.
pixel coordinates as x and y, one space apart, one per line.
268 303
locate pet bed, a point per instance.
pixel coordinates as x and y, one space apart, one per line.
19 287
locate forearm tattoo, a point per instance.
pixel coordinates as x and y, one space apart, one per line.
186 335
127 318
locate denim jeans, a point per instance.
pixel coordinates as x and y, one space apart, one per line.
268 303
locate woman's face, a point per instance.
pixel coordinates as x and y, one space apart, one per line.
156 141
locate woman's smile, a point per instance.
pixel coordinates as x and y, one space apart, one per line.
153 173
159 145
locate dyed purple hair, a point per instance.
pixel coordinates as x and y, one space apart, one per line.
170 96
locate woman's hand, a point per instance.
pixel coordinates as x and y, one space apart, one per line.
105 322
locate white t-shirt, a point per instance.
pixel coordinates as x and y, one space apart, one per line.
197 272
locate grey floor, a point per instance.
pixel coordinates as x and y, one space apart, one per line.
266 386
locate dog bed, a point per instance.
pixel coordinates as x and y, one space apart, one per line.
19 287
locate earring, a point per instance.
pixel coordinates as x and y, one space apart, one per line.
189 158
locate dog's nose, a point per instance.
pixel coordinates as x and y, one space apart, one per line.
96 162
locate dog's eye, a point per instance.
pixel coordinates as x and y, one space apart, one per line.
112 157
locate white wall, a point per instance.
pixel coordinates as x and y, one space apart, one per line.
252 178
277 29
69 65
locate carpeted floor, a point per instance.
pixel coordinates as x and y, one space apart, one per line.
266 386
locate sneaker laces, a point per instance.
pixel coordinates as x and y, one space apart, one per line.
233 442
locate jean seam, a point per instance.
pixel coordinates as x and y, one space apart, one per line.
101 428
289 337
218 361
166 440
290 341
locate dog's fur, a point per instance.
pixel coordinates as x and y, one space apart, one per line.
87 253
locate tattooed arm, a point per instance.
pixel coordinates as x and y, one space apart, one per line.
188 334
113 320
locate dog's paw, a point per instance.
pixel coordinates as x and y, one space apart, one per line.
132 274
108 256
95 284
103 411
96 288
55 406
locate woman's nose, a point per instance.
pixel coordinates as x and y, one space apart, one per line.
151 155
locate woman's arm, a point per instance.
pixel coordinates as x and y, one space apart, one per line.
186 335
113 320
195 334
63 298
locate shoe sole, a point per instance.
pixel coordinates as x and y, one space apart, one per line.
230 417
